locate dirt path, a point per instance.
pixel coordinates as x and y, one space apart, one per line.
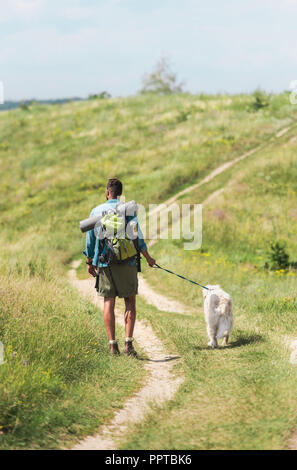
161 383
210 177
158 300
225 166
291 344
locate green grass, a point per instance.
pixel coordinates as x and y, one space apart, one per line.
58 381
55 160
242 396
239 397
54 163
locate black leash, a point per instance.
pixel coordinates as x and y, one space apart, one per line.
182 277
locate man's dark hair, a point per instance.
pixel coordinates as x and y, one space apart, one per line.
115 187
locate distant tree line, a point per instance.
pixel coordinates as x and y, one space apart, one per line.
161 81
100 96
24 104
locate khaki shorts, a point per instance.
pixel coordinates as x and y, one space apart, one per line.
118 280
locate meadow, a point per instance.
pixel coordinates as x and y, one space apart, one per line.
58 381
242 396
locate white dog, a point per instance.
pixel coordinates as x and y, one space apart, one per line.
218 314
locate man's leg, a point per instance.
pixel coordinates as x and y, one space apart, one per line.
109 322
108 317
130 317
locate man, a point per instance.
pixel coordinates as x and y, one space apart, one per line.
116 279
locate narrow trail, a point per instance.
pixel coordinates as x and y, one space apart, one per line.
158 300
160 385
225 166
165 206
291 344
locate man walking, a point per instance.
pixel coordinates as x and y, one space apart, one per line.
116 279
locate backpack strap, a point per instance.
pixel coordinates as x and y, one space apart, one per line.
138 257
97 280
138 262
98 268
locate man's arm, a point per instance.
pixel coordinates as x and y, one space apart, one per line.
151 261
143 247
90 250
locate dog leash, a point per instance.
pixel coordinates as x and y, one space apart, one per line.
182 277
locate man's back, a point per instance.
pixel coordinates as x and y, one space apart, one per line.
92 239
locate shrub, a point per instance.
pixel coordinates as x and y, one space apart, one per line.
260 100
24 106
278 258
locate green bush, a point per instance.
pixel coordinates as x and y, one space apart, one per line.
278 258
260 100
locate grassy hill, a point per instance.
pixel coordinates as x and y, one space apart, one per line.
242 397
54 165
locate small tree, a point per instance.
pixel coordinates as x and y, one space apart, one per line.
260 100
162 80
278 257
24 106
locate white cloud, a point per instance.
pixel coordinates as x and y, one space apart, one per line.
20 9
77 13
118 41
278 5
29 5
46 47
289 3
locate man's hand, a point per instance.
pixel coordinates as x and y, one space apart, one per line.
91 269
150 261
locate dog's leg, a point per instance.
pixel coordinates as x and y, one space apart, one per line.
225 340
212 334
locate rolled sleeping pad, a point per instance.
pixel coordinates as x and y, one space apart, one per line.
88 224
122 208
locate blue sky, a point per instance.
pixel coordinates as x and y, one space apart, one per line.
60 48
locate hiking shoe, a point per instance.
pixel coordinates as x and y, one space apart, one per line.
129 350
114 349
